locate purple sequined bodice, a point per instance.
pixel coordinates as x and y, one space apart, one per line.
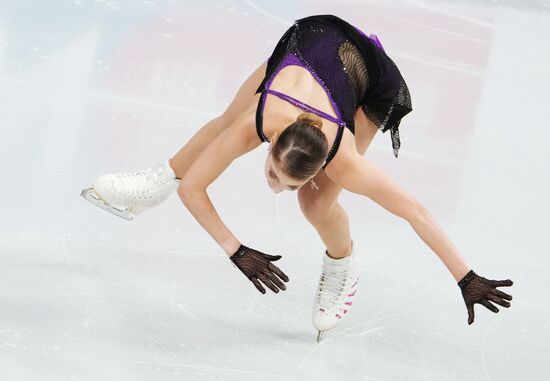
333 52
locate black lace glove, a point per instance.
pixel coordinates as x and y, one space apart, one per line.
476 289
257 266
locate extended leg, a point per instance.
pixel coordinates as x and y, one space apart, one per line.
185 157
339 276
128 194
326 215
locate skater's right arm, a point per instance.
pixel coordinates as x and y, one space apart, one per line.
236 140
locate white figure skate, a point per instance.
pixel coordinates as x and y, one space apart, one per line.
128 194
336 291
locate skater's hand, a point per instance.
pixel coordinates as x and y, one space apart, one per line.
257 266
476 289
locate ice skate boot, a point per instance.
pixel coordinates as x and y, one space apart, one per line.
336 291
128 194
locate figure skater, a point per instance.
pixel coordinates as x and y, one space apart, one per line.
318 100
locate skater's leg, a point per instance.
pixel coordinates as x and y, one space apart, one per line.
320 207
338 283
185 157
128 194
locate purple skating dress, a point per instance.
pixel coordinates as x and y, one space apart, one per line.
352 68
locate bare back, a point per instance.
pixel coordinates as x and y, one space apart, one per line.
298 82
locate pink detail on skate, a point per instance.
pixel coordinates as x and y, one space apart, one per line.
348 303
353 293
345 311
338 316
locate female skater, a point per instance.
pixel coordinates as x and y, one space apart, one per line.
318 100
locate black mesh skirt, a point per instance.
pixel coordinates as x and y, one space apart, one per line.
385 99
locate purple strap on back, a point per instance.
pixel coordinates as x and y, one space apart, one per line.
304 106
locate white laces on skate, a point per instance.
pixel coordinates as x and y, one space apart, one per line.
332 285
130 193
146 182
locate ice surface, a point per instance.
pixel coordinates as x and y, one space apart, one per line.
93 87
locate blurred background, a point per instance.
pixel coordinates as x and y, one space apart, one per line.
95 87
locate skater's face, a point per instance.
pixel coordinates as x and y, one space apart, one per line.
278 181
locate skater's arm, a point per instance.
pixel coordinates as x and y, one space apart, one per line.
356 174
235 141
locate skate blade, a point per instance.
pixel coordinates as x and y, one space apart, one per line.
321 334
90 195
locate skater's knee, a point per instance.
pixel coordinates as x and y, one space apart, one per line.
217 125
317 210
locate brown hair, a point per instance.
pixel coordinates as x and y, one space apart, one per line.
302 148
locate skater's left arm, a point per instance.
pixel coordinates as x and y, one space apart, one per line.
358 175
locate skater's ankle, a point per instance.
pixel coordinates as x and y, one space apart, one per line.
173 169
348 253
330 256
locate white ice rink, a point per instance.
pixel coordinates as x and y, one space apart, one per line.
93 87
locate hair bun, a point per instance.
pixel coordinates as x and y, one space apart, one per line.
311 119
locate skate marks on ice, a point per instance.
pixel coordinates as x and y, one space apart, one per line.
452 12
358 333
271 16
493 323
48 88
318 348
200 370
